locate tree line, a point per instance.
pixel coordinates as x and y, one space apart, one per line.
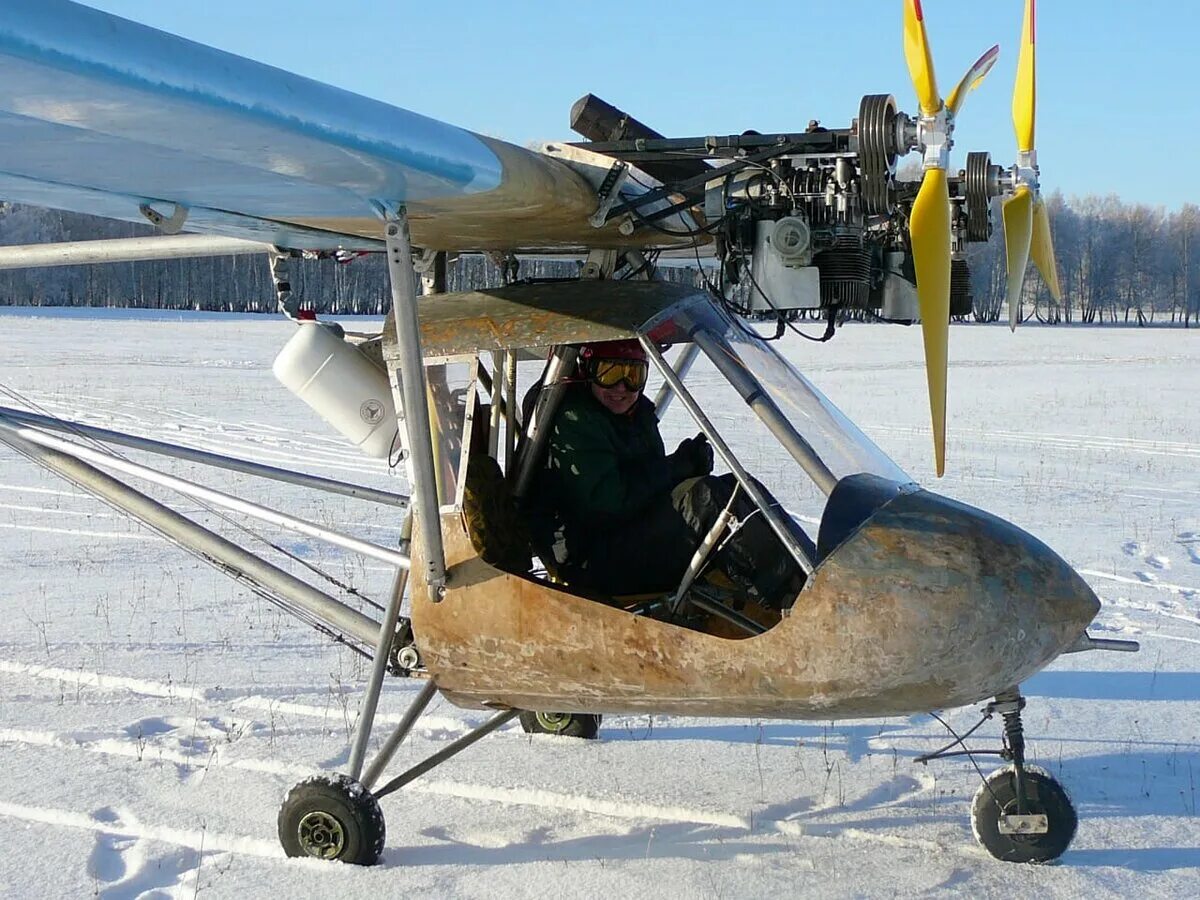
1117 262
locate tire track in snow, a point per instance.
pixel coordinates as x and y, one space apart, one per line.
205 840
217 757
558 801
1181 589
1060 441
27 489
77 679
52 511
120 535
128 748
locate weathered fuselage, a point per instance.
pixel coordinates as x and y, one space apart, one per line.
928 603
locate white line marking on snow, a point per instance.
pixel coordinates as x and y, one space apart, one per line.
77 678
617 809
151 751
1159 585
25 489
46 510
543 799
197 840
127 536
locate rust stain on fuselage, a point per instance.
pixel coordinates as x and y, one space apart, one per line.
930 604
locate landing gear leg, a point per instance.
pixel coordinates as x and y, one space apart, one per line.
338 817
1021 813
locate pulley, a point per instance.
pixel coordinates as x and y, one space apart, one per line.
877 151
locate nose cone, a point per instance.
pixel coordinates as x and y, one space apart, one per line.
972 604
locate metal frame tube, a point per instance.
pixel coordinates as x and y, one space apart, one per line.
167 246
769 511
485 382
510 411
448 751
682 366
232 559
497 407
388 750
715 608
766 410
415 403
720 523
216 460
383 650
554 386
209 495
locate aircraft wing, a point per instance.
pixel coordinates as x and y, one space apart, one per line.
102 115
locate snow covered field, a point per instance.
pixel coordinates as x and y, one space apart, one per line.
154 713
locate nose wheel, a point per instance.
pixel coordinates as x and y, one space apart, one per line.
1023 817
1020 813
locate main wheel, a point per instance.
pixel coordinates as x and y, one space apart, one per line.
332 817
997 797
580 725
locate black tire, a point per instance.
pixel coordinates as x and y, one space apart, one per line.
577 725
1043 795
332 817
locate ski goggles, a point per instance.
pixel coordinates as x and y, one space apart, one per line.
608 373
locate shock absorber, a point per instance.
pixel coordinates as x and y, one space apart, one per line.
1014 731
1009 704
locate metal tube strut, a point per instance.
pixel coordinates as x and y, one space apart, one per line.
216 460
415 405
683 365
230 558
765 408
450 750
383 651
424 696
537 430
79 253
770 511
209 495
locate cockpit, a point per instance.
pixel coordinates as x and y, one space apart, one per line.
500 361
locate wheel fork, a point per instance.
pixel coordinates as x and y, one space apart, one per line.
1009 704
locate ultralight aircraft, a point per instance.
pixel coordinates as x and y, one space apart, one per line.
911 602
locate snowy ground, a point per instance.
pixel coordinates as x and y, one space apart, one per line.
154 714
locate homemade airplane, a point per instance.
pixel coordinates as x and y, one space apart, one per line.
912 602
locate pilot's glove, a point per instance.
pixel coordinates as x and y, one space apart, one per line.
693 458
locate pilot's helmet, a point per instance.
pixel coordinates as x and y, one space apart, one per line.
609 363
627 348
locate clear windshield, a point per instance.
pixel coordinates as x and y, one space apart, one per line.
826 444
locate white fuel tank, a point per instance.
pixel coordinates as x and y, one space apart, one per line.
341 384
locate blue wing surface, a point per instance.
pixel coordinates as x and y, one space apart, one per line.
99 114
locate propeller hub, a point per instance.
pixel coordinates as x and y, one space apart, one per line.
934 138
1022 175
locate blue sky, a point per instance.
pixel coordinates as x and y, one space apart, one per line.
1117 105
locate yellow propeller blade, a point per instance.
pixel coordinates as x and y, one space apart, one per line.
1042 248
1024 106
929 229
920 60
1018 230
972 79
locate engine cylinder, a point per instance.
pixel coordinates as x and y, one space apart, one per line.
962 302
845 274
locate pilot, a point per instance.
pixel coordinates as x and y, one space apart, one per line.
624 517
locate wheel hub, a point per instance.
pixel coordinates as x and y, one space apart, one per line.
553 721
321 835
